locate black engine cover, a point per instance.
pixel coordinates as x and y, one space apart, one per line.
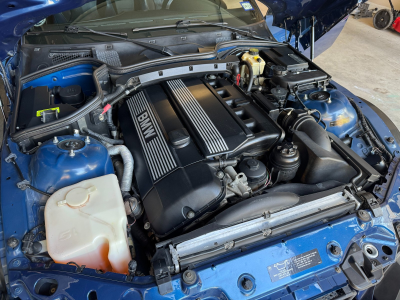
173 129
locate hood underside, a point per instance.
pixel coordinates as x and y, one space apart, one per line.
296 15
18 16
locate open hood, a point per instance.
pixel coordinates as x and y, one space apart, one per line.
297 15
18 16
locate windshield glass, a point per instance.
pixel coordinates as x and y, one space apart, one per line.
123 16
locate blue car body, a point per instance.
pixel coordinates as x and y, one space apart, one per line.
261 264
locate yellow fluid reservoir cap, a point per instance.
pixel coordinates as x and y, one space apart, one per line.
77 197
253 51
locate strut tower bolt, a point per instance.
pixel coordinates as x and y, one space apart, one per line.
87 140
335 250
189 276
147 226
55 140
247 284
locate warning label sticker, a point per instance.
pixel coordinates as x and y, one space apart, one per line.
294 265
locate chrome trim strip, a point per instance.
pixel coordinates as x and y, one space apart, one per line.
157 153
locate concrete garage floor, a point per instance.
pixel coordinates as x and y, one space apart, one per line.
366 61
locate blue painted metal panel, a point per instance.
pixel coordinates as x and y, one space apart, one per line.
52 168
81 75
219 280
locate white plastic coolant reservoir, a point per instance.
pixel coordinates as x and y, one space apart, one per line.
86 224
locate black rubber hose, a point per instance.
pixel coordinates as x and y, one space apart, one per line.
255 207
140 235
251 75
309 125
120 89
119 169
123 95
103 138
110 122
21 176
369 134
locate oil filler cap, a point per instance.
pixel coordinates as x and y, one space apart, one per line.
77 197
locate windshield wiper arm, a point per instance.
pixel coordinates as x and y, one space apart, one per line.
188 23
179 24
73 29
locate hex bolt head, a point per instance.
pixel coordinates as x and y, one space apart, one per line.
101 117
189 276
390 139
17 291
147 226
247 284
76 131
363 215
336 250
220 174
338 270
190 214
12 242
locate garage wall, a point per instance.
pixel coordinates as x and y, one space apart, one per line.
396 3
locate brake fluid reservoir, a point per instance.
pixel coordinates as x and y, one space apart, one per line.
256 62
86 224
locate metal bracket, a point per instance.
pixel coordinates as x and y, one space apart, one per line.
79 269
266 232
229 245
175 258
372 202
10 157
23 185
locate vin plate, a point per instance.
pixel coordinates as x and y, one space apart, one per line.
294 265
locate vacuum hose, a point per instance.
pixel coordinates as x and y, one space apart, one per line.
251 75
369 134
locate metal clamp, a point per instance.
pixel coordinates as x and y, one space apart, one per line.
10 158
372 202
23 185
79 269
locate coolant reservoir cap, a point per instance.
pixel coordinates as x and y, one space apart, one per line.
77 197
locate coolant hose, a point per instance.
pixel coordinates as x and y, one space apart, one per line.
369 133
251 75
256 207
104 138
127 159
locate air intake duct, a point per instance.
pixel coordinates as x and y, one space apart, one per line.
319 162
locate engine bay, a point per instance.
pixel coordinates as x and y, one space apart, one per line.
197 147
